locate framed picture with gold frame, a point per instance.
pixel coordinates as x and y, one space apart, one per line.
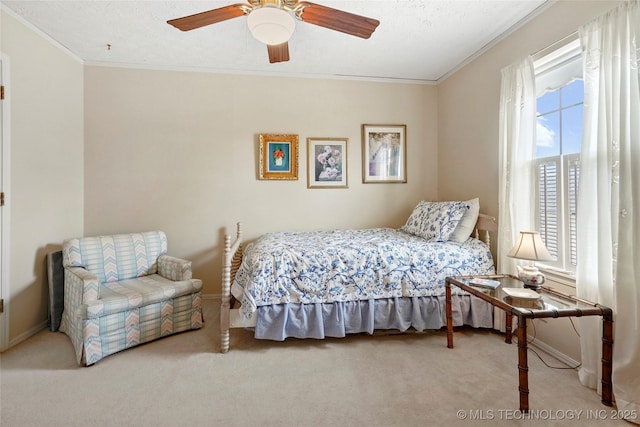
384 153
278 156
327 162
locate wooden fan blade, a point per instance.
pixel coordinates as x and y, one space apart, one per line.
209 17
338 20
278 52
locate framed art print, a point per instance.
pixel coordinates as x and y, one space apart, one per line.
327 162
278 156
384 153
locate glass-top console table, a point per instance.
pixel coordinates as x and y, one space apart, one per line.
552 304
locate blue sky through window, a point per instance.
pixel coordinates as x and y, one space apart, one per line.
559 126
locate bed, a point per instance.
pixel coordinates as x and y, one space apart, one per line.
332 283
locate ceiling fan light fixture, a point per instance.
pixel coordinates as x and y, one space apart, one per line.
271 25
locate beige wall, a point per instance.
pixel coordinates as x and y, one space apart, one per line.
178 151
468 104
46 188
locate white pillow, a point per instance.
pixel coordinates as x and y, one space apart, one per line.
468 222
435 221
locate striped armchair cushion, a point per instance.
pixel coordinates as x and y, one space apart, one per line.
116 257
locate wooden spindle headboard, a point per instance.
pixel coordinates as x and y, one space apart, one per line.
486 224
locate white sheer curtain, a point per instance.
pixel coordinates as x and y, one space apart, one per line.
609 206
517 149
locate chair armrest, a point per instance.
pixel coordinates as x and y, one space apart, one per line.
80 286
174 268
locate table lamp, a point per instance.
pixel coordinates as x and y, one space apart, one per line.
530 247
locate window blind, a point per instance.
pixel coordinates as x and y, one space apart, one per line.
573 181
548 200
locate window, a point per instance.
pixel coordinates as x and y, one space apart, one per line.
557 156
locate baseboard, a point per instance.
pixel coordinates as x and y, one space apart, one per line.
211 296
28 334
553 352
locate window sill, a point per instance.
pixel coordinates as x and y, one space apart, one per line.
564 277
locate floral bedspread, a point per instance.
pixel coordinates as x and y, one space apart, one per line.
350 265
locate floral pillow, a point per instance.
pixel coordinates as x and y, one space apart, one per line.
435 221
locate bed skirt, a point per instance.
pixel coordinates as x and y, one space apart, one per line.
278 322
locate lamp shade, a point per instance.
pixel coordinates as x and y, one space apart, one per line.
271 25
531 247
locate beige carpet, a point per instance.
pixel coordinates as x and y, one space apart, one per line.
183 380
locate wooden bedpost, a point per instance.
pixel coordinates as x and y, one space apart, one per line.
231 263
487 224
226 297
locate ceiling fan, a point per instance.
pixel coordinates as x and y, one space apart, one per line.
271 21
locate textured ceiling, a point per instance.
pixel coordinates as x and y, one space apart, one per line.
416 40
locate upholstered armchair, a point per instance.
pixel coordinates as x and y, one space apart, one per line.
123 290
